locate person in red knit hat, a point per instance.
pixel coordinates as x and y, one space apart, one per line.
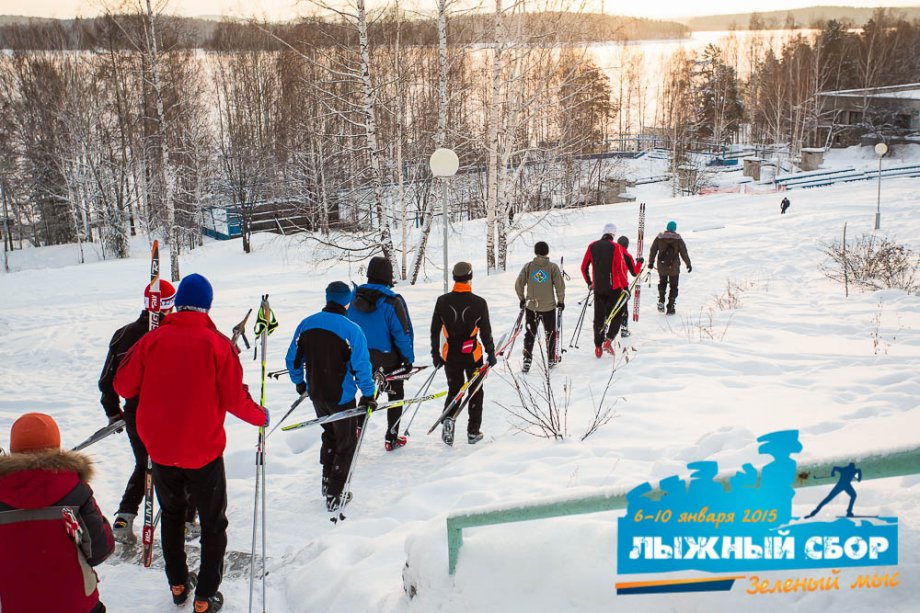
123 339
50 525
188 376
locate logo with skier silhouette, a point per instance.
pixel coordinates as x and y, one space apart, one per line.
746 521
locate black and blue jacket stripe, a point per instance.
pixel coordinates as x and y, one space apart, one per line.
332 351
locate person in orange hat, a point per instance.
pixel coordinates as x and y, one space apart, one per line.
122 341
50 524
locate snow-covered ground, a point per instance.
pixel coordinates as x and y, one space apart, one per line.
795 353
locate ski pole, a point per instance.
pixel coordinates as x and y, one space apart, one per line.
276 374
297 402
100 434
337 515
265 325
422 392
581 320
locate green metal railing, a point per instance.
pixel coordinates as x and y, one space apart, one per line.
896 464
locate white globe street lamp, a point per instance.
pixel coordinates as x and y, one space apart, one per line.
444 164
880 150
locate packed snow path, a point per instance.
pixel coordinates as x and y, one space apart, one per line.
793 354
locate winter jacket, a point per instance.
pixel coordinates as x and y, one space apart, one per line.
384 318
332 350
462 318
608 261
544 283
42 566
123 339
188 375
667 261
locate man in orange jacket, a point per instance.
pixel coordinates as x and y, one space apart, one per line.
188 375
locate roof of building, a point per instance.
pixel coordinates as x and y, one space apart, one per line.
908 91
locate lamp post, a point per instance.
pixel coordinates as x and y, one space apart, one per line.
444 164
880 150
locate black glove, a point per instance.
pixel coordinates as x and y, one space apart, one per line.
523 303
436 360
640 260
590 284
561 306
115 418
492 359
302 388
368 403
689 268
651 265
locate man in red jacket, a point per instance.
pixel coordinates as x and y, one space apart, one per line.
188 375
609 263
51 528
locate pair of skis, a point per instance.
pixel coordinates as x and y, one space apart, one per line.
357 411
472 385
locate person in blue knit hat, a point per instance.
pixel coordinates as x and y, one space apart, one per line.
195 294
328 358
669 249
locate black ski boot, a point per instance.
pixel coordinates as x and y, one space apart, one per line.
210 605
624 332
447 431
671 310
661 306
472 439
180 593
334 503
526 367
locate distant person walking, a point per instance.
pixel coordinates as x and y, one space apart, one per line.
783 206
668 249
541 290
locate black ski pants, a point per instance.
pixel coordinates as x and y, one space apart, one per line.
338 444
457 375
208 489
395 390
603 305
663 282
533 319
134 491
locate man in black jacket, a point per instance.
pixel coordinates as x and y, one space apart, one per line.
463 319
123 339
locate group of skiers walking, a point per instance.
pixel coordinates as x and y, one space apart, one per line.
361 334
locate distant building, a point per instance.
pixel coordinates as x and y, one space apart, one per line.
849 114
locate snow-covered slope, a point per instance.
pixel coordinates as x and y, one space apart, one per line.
794 353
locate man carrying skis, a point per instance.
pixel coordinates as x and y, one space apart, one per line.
609 263
51 530
635 266
328 358
668 246
123 339
188 375
383 316
545 292
463 319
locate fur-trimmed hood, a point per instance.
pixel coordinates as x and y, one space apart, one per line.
51 461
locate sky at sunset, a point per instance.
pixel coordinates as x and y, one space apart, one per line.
287 9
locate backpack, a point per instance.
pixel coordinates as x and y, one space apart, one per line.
668 256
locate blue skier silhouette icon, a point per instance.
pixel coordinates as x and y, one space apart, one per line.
844 484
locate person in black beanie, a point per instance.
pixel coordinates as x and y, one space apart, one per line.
545 292
463 319
383 316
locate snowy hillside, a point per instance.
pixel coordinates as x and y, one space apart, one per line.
792 353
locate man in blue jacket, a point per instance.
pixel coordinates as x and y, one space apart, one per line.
328 357
384 318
